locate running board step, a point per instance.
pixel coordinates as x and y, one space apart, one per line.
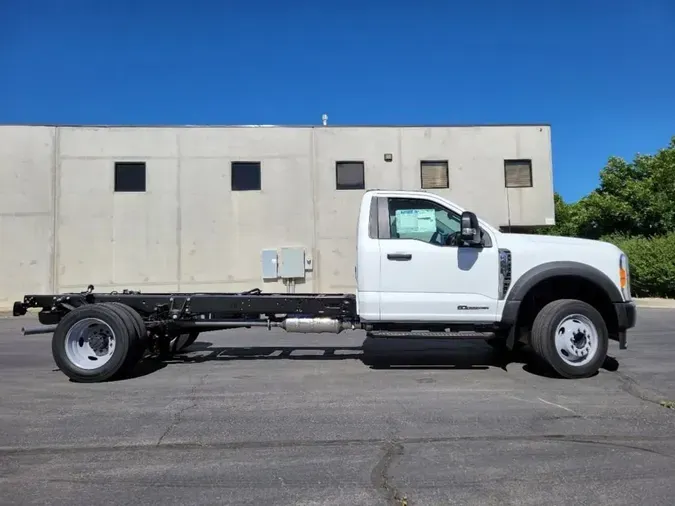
432 335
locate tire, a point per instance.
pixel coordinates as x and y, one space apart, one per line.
571 337
140 342
135 352
89 364
139 324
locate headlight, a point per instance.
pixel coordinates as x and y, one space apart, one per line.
624 277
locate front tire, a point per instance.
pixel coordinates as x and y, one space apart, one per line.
571 337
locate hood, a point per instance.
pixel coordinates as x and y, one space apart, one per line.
556 240
531 251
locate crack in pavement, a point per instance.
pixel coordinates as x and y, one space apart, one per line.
192 398
633 388
380 474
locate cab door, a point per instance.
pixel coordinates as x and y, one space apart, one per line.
424 274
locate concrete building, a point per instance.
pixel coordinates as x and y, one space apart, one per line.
191 208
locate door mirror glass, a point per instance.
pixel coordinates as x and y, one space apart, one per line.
470 231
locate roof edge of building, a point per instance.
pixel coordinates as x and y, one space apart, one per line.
122 125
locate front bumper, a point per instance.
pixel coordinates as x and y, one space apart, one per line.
626 317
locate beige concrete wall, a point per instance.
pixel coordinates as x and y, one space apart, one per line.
337 210
190 232
26 211
116 239
223 232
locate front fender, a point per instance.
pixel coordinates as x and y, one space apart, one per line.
550 270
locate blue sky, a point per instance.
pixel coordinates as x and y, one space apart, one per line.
601 72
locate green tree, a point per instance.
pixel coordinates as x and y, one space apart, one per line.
566 218
633 199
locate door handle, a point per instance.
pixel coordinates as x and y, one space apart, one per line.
399 256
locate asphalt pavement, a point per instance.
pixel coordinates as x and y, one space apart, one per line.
263 417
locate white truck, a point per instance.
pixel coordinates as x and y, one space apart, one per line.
426 268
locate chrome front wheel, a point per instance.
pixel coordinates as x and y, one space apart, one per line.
576 340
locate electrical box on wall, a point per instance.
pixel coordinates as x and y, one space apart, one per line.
292 263
270 264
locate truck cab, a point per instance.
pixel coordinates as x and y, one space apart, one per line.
423 260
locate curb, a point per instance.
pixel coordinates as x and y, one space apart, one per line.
654 303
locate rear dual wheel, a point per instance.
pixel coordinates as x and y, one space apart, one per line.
99 342
571 337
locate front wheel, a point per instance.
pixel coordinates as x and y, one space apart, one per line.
571 337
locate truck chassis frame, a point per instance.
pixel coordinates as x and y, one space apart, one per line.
181 308
171 314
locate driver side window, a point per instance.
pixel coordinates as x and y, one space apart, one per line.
422 220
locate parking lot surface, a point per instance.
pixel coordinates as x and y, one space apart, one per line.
256 417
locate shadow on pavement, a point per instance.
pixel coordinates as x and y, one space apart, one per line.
375 353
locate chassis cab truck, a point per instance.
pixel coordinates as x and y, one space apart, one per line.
425 262
425 268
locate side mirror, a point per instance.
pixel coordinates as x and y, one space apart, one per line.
470 232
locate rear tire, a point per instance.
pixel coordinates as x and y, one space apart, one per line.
139 343
139 324
92 343
571 337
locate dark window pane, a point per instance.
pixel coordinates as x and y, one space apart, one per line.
518 173
129 176
246 176
434 174
350 175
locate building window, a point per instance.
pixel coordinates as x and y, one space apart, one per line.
129 176
434 174
350 175
245 176
518 173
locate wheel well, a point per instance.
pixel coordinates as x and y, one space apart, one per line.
566 287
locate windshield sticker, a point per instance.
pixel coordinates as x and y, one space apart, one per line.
415 221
